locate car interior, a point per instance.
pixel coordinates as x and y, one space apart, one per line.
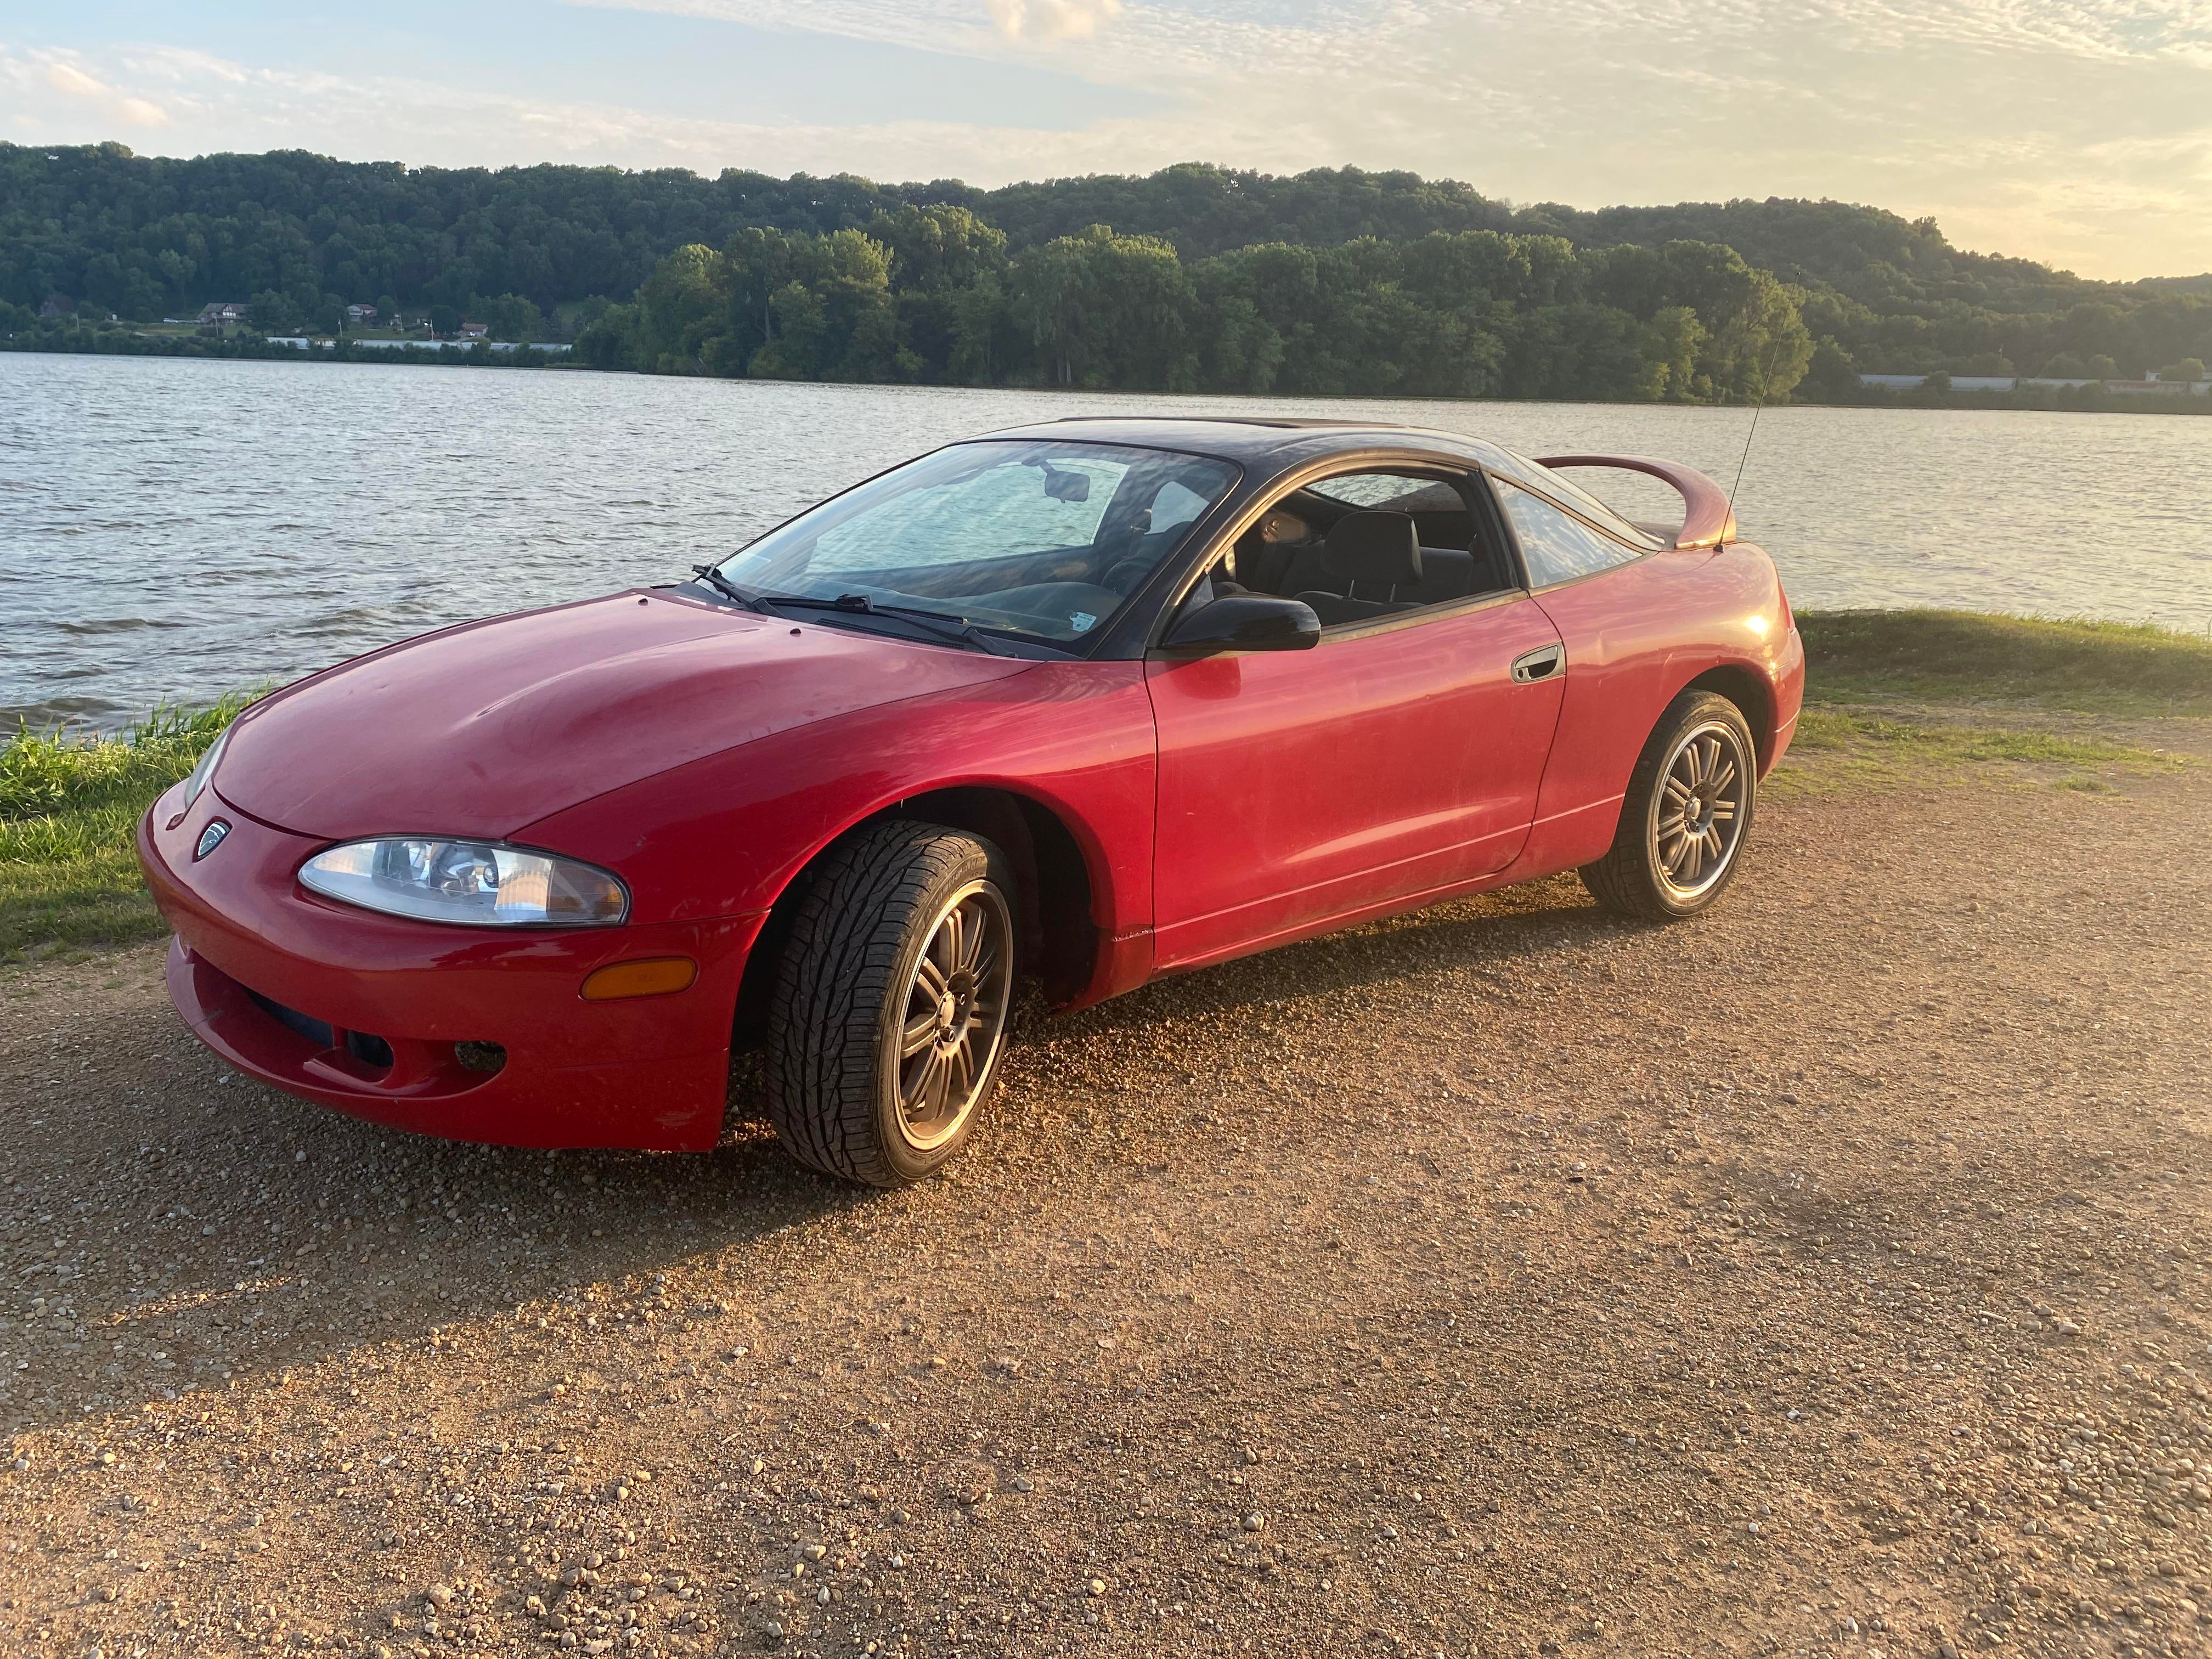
1367 545
1063 593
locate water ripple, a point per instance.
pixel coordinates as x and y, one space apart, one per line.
169 530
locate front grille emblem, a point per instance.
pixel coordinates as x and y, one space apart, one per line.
210 838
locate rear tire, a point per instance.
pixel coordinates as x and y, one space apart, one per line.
889 1015
1687 815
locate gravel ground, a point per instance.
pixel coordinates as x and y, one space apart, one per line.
1827 1276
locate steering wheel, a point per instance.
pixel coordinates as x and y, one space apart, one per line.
1124 578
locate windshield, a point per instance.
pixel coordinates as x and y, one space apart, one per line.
1040 540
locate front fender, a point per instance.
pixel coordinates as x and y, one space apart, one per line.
726 834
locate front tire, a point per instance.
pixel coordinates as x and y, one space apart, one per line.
888 1016
1687 815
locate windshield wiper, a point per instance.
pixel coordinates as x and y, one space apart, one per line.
722 584
963 632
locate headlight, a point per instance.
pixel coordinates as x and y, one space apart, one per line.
477 884
196 780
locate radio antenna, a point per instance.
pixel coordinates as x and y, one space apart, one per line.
1759 405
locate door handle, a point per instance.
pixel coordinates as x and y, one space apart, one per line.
1540 663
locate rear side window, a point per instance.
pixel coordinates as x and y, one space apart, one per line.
1558 546
1566 489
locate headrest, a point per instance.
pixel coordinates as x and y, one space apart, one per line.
1374 547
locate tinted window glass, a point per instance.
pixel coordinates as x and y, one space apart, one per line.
1041 540
1587 505
1391 489
1558 546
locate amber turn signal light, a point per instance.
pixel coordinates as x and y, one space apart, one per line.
650 976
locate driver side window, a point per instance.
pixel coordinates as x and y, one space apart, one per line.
1364 544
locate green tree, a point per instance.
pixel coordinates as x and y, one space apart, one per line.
760 263
512 317
1100 309
938 248
611 340
684 307
272 312
1671 343
834 320
980 323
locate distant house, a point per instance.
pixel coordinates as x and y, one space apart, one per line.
360 314
223 312
475 331
57 305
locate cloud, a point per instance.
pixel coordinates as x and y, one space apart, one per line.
1052 20
71 82
69 79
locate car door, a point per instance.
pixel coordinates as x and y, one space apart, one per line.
1390 761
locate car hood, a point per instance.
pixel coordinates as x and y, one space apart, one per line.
482 729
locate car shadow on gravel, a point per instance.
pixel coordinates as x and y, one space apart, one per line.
1510 926
220 1232
204 1230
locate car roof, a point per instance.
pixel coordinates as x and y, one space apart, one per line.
1253 438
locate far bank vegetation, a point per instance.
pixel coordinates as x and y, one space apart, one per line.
933 295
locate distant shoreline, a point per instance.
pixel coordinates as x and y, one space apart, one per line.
118 340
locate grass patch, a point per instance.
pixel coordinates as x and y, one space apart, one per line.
69 804
1841 745
1963 656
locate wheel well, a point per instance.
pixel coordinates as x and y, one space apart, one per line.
1745 689
1060 942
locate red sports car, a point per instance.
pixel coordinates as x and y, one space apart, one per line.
1082 703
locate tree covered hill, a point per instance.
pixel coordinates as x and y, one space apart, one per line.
1333 279
934 295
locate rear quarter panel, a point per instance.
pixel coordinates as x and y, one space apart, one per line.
1635 637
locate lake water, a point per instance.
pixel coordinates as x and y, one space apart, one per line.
170 529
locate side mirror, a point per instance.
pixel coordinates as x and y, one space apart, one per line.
1244 622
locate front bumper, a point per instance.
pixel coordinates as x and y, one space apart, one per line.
400 1022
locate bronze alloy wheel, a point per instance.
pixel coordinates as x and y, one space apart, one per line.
892 1006
1686 816
1696 813
955 1014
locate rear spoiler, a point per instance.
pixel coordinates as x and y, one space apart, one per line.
1708 519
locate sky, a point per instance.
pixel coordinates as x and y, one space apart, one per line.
2078 133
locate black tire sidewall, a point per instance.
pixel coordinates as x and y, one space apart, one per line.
907 1162
1691 709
